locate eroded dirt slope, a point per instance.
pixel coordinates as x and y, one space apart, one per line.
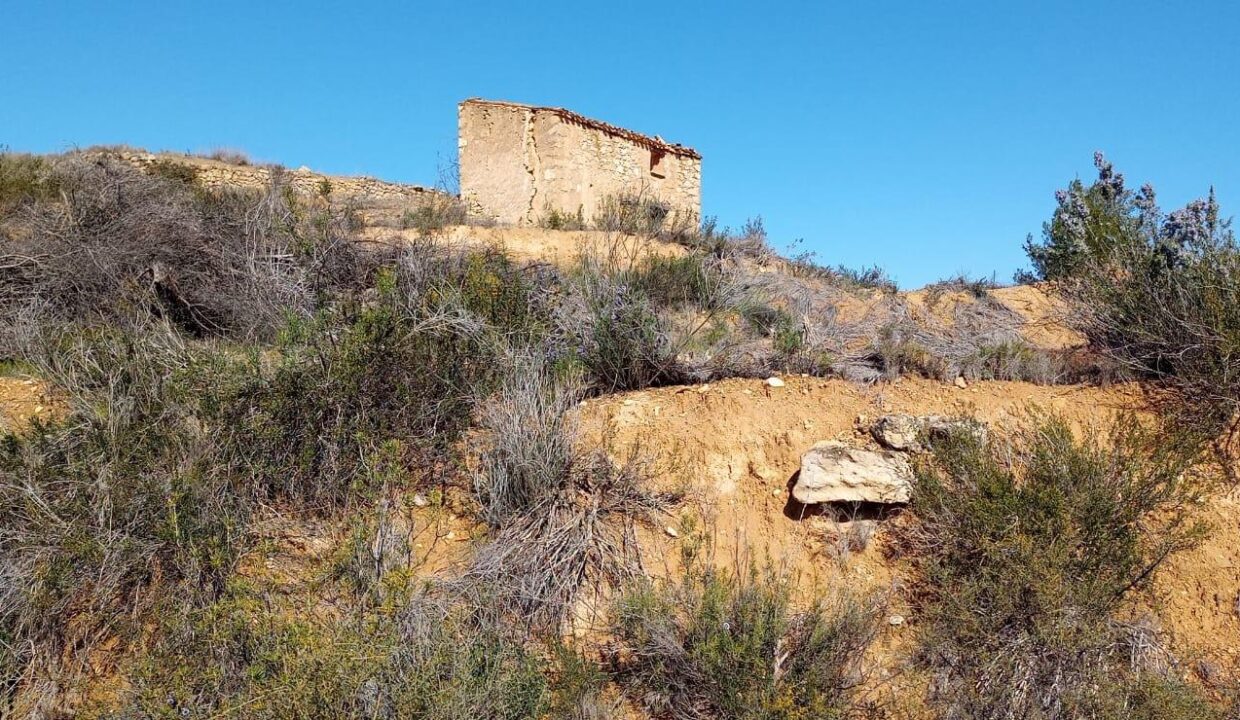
735 446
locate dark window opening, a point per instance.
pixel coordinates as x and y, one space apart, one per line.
657 168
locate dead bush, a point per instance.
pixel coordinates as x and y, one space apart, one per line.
563 515
116 245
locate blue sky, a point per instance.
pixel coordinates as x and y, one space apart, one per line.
924 137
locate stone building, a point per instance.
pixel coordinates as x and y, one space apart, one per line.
519 162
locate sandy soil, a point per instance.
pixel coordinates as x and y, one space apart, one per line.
21 400
533 244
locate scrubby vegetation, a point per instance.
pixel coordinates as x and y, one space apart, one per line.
1027 549
719 644
1158 293
222 358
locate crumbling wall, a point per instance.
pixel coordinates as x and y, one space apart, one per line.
215 174
518 163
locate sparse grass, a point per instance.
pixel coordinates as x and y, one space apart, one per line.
640 214
417 658
231 156
720 644
24 179
435 213
1026 549
554 219
978 288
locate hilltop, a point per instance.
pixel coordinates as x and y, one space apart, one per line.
280 442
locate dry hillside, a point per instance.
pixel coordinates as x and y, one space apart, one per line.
760 358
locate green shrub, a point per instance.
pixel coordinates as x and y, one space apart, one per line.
717 644
24 178
679 281
423 661
1026 550
554 219
112 509
1159 294
143 491
625 345
408 368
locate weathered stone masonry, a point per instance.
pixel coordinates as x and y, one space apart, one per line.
519 162
217 175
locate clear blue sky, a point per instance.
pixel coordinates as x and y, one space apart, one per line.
925 137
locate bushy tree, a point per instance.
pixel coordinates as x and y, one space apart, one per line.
1157 292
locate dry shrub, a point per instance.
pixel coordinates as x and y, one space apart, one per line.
563 515
117 245
731 644
110 511
820 325
1026 548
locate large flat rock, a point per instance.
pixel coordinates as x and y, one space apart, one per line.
835 472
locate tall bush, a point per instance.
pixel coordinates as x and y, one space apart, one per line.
1158 293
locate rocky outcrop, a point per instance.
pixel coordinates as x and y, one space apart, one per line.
908 432
835 472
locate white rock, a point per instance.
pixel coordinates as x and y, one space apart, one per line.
905 432
898 432
420 500
671 531
774 382
961 382
834 472
895 620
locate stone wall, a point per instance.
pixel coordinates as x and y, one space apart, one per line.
519 162
215 174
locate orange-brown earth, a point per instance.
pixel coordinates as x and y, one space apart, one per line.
22 399
735 445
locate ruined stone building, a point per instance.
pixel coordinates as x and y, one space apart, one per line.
519 162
